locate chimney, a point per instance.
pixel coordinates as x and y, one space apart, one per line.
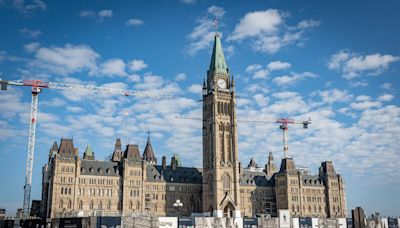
164 162
174 163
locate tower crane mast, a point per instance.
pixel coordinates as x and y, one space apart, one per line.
37 87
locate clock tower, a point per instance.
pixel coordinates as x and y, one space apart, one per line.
220 153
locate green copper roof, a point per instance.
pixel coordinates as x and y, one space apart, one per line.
218 64
89 151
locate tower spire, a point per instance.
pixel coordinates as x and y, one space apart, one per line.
148 154
218 64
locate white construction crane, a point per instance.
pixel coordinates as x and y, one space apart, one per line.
37 87
284 126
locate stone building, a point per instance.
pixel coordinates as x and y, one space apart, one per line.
132 182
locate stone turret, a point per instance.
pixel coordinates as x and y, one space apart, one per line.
148 154
117 154
53 150
252 164
270 167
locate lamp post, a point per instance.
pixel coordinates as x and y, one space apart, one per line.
177 205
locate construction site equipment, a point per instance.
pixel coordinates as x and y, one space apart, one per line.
37 87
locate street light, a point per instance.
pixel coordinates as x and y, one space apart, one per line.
177 205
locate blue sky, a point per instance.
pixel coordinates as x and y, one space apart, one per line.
337 62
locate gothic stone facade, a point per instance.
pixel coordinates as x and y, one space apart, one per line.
130 183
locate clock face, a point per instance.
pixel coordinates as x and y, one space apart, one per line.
221 84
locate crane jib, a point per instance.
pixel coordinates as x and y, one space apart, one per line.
35 83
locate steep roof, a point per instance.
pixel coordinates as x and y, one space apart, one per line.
252 163
186 175
256 178
132 152
66 147
287 165
99 168
218 64
88 154
117 151
148 154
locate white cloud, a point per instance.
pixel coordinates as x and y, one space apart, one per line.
257 71
156 84
362 105
31 47
12 99
386 85
217 12
293 78
363 98
137 65
253 67
4 56
180 77
113 67
308 24
268 31
188 2
203 34
100 15
334 95
134 78
134 22
361 83
353 65
256 23
278 65
87 13
30 33
386 97
196 89
25 7
65 60
105 13
55 102
75 109
261 100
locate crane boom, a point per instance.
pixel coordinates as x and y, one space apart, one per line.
37 86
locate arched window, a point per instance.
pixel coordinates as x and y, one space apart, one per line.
91 205
131 205
137 205
309 208
62 190
80 205
109 205
69 191
69 205
61 204
100 205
